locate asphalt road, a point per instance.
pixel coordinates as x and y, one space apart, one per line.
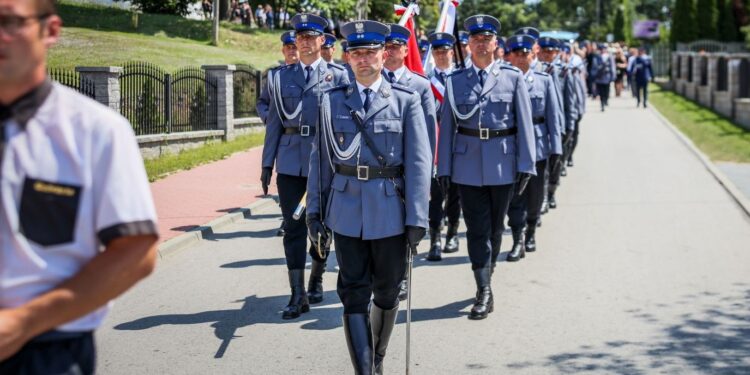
644 268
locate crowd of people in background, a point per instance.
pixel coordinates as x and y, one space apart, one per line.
263 17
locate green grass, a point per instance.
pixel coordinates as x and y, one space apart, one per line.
187 159
712 133
102 36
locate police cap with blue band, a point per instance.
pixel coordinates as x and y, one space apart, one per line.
442 40
288 37
463 37
423 45
565 47
482 24
309 24
501 43
365 34
398 35
344 45
534 33
522 42
330 41
549 43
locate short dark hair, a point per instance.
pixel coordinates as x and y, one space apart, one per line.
46 7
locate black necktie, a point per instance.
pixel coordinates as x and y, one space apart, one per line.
391 77
308 74
442 77
482 73
366 104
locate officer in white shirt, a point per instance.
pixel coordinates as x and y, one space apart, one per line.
77 222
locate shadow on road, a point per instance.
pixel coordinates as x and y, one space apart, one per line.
713 340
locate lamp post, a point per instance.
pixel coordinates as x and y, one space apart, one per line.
215 39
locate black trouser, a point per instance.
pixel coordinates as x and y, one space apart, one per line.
574 140
554 173
369 268
291 190
63 353
641 87
484 208
527 208
603 90
452 205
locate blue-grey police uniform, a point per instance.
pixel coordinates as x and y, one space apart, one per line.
569 94
291 127
604 72
577 67
486 139
264 99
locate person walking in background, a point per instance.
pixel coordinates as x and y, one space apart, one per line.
603 72
283 17
260 16
269 17
642 74
621 63
632 54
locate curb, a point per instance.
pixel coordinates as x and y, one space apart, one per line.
195 235
723 180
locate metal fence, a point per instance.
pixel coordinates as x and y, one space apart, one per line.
661 59
707 45
157 102
247 86
72 79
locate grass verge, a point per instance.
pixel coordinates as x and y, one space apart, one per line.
187 159
712 133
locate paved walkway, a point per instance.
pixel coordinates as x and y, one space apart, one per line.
643 269
739 174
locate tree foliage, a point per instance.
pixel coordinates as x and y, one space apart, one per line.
618 28
179 7
684 22
727 27
707 19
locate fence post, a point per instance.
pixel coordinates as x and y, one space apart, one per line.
106 81
224 76
168 102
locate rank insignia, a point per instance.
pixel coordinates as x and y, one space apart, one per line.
329 77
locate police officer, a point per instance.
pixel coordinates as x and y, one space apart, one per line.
463 43
77 220
345 60
442 52
500 51
642 73
370 175
292 123
526 207
328 48
486 148
291 56
578 69
424 45
604 72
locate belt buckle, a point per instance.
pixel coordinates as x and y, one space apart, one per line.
363 172
304 130
484 134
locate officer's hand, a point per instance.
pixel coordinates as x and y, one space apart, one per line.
315 227
413 236
13 333
265 179
445 183
521 182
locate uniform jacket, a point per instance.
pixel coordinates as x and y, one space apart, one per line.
554 74
642 70
376 208
568 92
438 105
544 104
264 99
503 103
422 86
291 152
603 70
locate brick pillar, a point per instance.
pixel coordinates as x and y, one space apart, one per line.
713 70
106 80
684 71
224 78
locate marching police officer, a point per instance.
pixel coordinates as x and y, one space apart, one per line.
345 60
291 56
370 173
328 48
463 43
292 123
486 148
442 52
500 50
77 220
526 208
578 69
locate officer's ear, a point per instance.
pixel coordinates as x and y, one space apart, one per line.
50 29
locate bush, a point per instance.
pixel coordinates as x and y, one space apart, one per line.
179 7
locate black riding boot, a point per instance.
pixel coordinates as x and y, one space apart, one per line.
298 303
483 304
315 285
517 252
359 341
382 322
451 239
530 239
435 246
551 196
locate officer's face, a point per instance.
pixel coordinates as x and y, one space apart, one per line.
547 55
367 63
443 57
395 53
327 53
309 45
499 53
521 59
482 46
291 55
24 39
465 49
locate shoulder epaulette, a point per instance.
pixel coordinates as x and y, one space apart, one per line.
420 75
458 72
336 66
510 67
339 87
543 74
401 87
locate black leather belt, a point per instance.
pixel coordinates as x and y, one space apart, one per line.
487 133
304 130
538 120
365 173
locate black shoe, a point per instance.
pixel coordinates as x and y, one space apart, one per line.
435 246
517 252
280 232
382 322
564 172
483 304
570 162
298 303
403 290
551 197
530 243
545 206
315 285
359 341
451 239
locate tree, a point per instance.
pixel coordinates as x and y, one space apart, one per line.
179 7
726 25
707 17
683 22
618 28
